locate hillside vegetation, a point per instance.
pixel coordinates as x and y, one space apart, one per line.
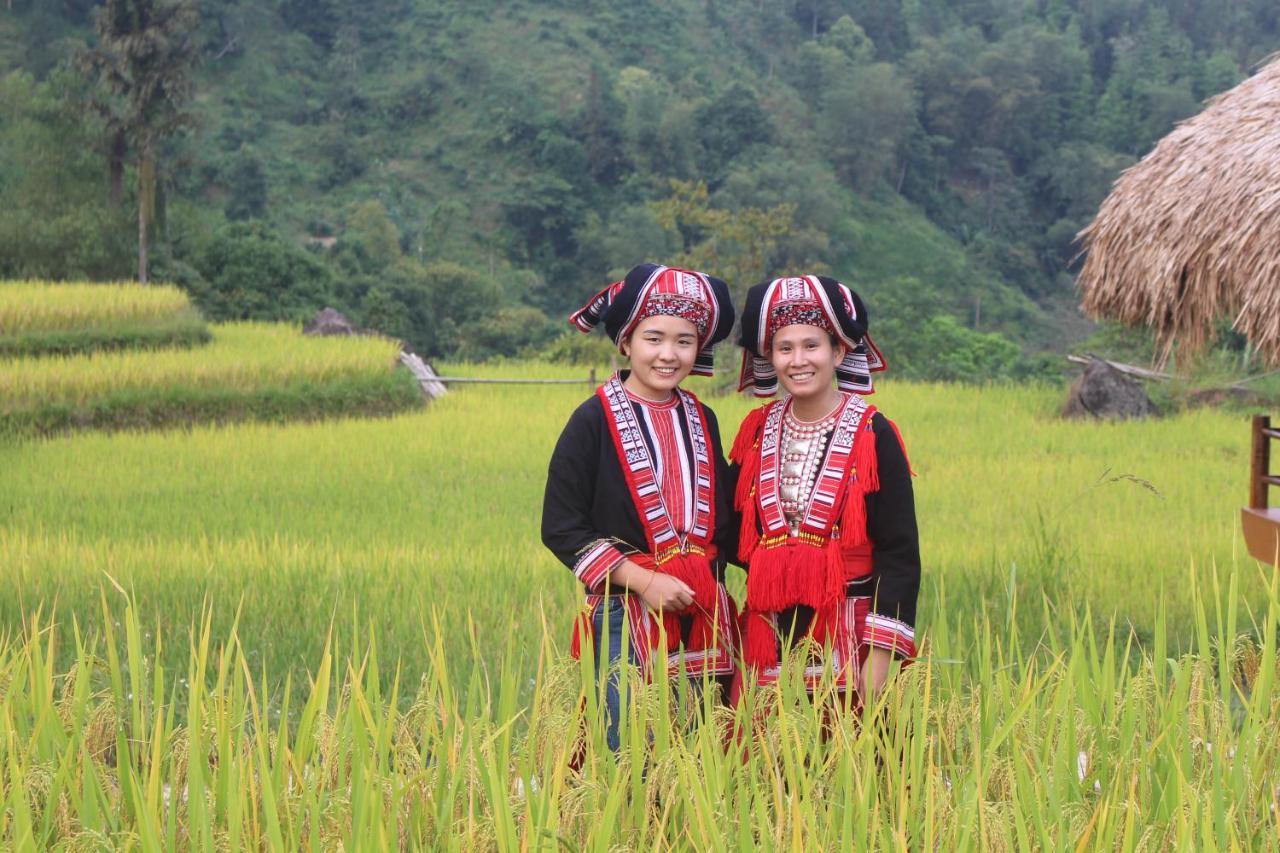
429 165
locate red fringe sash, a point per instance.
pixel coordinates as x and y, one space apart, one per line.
689 560
813 567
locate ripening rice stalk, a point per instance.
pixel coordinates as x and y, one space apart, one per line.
242 356
1023 747
45 319
40 306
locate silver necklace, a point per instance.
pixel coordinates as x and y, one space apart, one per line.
802 446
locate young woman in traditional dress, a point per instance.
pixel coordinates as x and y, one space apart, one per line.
828 529
636 502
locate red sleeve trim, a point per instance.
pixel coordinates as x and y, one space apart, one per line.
885 632
596 562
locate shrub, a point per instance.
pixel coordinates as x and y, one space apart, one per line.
250 273
578 349
509 331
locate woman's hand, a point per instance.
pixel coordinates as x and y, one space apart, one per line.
663 592
659 591
875 673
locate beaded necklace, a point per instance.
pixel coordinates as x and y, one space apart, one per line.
803 443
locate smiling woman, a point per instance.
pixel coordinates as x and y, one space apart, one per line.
661 351
645 537
828 527
805 359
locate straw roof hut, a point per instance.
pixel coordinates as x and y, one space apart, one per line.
1191 233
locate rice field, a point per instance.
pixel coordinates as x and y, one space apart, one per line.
347 632
249 369
41 318
1035 746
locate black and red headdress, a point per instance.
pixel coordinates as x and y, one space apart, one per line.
650 290
812 300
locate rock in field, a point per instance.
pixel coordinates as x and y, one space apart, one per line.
329 323
1106 393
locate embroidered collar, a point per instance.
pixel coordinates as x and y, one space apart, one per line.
820 514
641 475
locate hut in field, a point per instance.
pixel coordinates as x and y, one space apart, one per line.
1191 233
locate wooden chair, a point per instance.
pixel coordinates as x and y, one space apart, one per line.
1261 523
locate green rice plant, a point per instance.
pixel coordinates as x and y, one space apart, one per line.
1030 747
291 525
251 370
347 633
46 318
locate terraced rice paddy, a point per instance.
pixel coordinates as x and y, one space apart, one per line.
40 318
250 370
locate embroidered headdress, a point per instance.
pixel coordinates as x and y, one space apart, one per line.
650 290
811 300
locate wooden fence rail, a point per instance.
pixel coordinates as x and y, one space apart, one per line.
436 386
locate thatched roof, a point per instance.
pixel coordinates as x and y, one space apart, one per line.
1191 233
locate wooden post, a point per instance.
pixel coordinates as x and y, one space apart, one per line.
1260 468
591 379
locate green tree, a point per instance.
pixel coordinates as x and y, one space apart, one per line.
659 130
143 63
371 230
249 273
865 123
54 221
247 183
736 245
728 125
434 305
508 331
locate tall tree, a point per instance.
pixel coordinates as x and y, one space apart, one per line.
143 62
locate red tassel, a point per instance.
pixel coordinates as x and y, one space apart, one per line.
703 633
760 647
671 627
864 455
748 433
853 517
833 591
694 570
747 474
826 626
866 479
781 577
746 453
748 533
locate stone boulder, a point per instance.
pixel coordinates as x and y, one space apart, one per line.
329 323
1105 393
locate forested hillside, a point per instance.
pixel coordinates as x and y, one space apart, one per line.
422 164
